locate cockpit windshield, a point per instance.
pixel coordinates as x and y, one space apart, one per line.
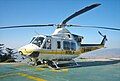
37 41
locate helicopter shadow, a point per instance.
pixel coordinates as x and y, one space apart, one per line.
88 64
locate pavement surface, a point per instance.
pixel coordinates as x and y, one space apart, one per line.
87 71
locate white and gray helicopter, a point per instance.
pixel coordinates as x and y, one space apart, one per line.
61 45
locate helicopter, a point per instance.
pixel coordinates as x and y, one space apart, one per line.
62 44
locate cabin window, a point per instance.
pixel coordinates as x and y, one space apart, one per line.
47 44
73 46
66 45
58 44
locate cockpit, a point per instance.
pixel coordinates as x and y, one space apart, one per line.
37 41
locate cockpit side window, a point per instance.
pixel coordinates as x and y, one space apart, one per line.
47 44
37 41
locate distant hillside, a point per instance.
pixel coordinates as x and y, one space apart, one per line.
103 53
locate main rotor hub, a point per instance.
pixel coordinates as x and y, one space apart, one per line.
60 30
61 25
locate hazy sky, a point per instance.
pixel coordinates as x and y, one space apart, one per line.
22 12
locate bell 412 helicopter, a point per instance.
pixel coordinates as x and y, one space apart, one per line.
62 44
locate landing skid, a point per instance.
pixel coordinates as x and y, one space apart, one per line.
54 64
75 62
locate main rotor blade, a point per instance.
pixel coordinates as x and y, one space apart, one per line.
101 27
26 26
80 12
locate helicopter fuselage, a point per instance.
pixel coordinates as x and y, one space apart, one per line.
62 45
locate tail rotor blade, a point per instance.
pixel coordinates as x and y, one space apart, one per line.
101 34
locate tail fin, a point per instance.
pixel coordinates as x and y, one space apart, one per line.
104 38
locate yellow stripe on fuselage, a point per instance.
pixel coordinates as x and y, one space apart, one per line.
70 52
66 52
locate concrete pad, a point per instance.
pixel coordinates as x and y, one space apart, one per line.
91 72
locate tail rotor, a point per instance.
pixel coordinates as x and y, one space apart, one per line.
104 38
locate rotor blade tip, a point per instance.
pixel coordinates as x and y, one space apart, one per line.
97 4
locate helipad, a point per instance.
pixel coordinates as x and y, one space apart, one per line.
88 71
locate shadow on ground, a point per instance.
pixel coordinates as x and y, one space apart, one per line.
88 64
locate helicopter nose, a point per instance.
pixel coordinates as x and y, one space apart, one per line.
28 49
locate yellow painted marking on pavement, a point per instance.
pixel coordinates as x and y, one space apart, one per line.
31 77
41 69
37 68
61 70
